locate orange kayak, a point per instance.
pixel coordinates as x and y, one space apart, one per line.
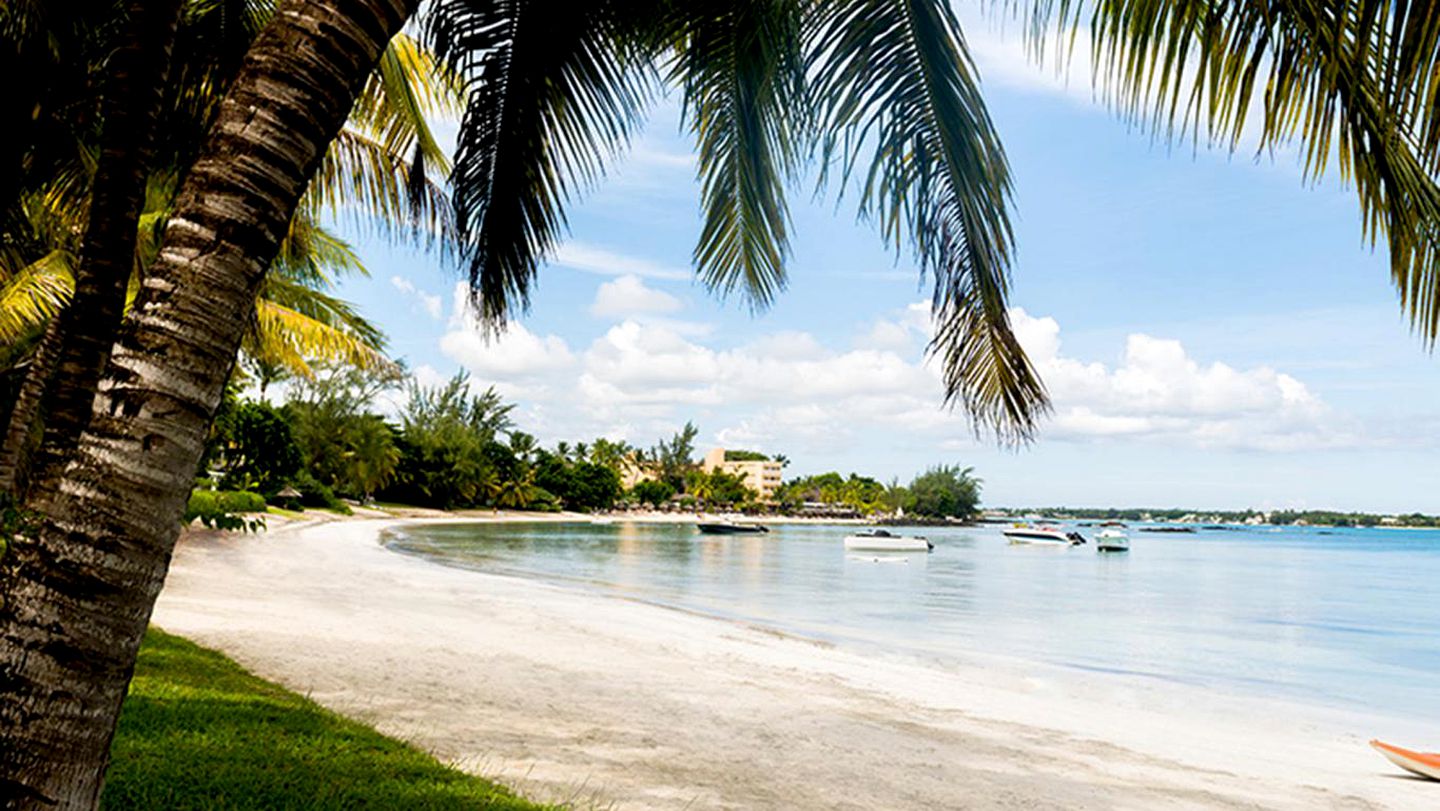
1425 764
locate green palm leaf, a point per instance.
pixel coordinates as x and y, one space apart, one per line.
35 293
742 70
553 95
903 115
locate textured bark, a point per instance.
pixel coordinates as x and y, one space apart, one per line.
60 386
78 590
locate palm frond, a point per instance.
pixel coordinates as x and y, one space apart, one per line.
1355 82
312 256
287 337
553 94
34 294
903 115
407 89
742 69
362 177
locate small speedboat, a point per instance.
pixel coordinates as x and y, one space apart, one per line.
1042 536
879 540
1112 540
730 528
1425 764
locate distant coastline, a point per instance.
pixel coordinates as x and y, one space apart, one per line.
1280 518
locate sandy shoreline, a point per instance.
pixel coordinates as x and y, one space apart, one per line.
573 696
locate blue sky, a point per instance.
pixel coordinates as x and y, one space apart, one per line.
1214 333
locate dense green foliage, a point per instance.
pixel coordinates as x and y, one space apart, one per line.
945 491
225 509
257 448
860 493
448 442
198 733
942 492
718 488
580 485
672 460
654 493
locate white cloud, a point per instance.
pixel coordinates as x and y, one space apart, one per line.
517 361
593 259
1157 391
431 302
791 390
629 295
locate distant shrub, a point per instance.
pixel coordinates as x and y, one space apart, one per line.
225 509
314 493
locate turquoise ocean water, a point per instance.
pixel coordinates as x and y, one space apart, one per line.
1345 618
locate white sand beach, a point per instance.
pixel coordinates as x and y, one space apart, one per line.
574 696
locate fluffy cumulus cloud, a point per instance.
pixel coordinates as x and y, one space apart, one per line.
629 295
641 378
519 362
1157 391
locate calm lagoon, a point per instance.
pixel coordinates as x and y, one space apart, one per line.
1348 619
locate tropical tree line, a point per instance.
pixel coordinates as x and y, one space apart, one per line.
118 395
940 492
449 446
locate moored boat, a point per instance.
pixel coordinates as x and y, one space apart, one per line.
1425 764
1042 536
881 541
1112 540
730 528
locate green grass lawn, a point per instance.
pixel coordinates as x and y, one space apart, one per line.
198 732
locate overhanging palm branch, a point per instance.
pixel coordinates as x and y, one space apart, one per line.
315 328
743 74
1351 81
903 115
554 93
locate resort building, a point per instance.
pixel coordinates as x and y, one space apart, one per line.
633 471
761 475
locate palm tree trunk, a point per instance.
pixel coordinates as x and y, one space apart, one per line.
79 589
60 386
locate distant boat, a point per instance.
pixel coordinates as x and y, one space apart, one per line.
1112 540
1042 536
881 541
1190 530
730 528
1425 764
1120 524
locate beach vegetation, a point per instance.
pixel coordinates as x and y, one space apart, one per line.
257 449
226 509
654 492
944 491
449 448
199 733
578 485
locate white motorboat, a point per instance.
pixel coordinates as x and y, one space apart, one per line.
1112 540
1041 536
881 541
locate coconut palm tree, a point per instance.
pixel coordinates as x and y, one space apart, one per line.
379 165
516 491
881 90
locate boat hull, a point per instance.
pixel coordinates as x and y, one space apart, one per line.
731 529
860 543
1425 764
1035 538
